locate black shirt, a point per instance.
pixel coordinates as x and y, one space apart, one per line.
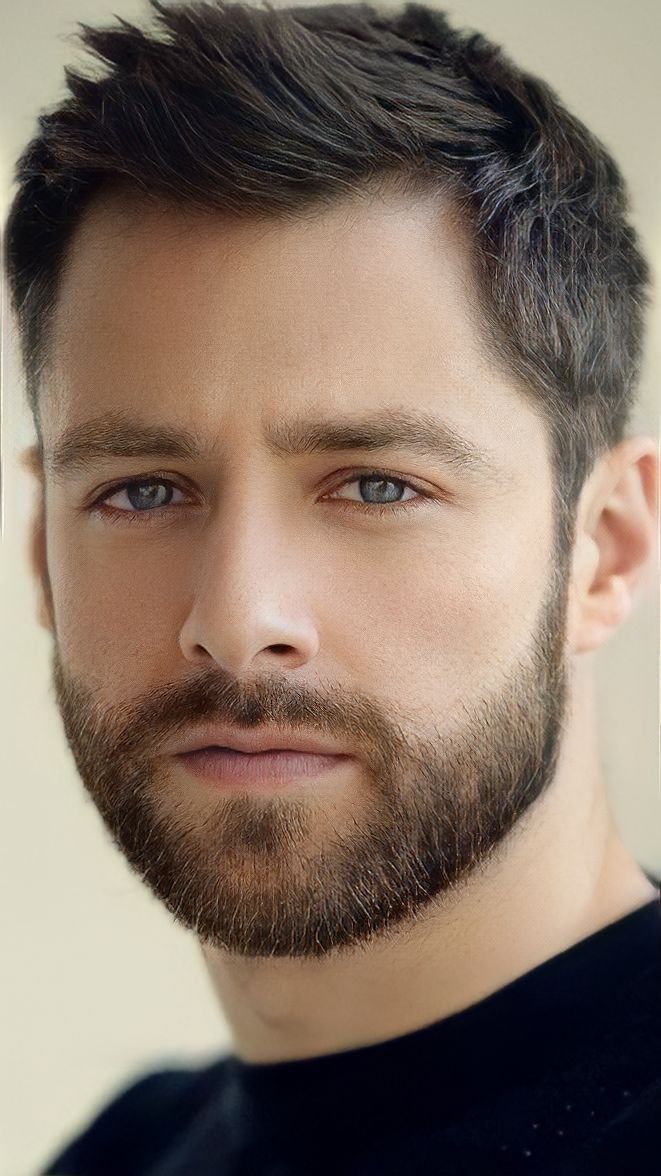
558 1072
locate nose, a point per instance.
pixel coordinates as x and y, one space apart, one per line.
250 594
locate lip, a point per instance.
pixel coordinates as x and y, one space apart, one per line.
265 771
255 742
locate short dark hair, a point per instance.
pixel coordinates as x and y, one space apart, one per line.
259 111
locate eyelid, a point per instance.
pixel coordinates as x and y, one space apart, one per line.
170 479
121 484
386 476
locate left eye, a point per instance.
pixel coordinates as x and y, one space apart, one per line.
376 483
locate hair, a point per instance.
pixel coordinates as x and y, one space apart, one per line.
266 112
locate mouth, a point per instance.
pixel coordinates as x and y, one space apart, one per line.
214 737
269 769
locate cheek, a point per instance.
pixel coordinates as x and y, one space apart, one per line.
444 618
117 616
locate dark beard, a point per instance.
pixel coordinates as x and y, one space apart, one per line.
274 875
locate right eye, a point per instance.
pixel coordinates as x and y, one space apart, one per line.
145 496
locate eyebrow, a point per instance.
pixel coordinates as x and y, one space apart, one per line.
120 435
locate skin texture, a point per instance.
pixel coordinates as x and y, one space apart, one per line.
445 647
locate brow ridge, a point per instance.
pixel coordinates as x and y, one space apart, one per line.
117 434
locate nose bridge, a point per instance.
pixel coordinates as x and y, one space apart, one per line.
249 587
249 524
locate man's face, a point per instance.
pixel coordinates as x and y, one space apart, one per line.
252 588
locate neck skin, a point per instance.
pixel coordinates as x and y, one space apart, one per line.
564 875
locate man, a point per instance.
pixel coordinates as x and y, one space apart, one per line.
331 319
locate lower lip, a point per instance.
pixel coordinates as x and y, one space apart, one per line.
264 769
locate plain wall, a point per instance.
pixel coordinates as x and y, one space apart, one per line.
99 983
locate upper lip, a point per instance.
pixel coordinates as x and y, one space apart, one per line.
255 741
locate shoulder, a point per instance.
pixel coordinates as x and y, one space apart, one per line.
629 1143
140 1121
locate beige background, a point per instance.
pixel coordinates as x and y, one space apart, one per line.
98 981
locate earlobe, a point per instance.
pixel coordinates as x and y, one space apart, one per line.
602 612
581 636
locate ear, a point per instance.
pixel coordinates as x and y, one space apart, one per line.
31 460
617 520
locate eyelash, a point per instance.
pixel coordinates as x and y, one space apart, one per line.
115 516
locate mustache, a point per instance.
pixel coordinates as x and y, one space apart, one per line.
168 709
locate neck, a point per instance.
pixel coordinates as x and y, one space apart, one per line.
563 874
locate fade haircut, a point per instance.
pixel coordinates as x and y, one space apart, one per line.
258 111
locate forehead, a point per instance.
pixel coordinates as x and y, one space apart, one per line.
217 319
